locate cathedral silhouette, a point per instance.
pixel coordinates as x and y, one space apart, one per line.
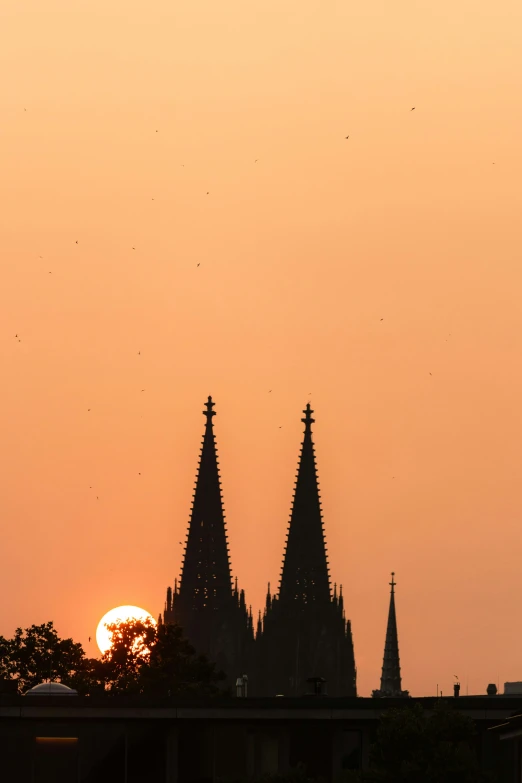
303 635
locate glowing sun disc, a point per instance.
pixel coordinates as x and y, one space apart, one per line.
119 615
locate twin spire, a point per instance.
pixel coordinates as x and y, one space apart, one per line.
206 582
206 574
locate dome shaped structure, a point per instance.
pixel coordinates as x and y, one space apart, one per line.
51 689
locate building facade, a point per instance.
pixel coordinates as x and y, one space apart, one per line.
52 739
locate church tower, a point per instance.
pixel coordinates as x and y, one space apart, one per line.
211 612
304 633
391 667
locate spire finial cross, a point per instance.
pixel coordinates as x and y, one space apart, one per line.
209 412
308 421
393 582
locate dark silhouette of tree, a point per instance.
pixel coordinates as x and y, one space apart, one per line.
37 654
413 746
131 643
157 661
143 658
174 669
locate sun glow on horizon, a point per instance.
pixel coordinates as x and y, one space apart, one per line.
117 615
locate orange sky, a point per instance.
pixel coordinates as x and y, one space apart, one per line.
117 118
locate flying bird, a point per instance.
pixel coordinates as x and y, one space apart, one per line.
89 638
413 109
269 391
347 137
143 390
198 264
256 160
88 409
76 241
382 319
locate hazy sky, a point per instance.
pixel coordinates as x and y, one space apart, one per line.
132 128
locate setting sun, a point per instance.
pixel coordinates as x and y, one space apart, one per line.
117 615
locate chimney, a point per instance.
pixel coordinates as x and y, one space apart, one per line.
456 689
242 687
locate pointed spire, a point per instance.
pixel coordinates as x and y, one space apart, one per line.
268 598
259 626
305 569
205 579
391 669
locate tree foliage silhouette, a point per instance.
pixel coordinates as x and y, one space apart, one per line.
413 746
130 649
143 658
157 661
37 654
173 667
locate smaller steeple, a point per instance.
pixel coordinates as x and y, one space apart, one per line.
391 668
